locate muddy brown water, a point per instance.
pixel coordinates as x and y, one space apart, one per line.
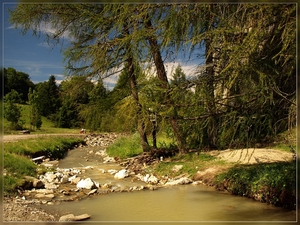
177 203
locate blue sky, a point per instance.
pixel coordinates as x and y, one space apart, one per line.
32 55
29 53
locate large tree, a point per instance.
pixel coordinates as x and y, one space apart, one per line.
18 81
47 100
243 93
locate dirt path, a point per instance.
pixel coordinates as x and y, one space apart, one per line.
17 137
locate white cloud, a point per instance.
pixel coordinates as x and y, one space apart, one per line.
48 28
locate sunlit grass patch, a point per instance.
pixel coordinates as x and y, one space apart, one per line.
125 147
55 146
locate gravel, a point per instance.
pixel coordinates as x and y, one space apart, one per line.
20 210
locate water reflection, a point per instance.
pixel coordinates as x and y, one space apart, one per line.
174 204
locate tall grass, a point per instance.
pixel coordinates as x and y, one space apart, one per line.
125 147
130 146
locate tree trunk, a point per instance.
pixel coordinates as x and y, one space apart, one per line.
210 97
162 76
134 93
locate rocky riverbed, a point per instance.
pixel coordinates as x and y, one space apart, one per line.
75 183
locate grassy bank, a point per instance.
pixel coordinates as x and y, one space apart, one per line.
274 183
17 157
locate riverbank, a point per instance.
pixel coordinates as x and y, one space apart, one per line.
143 167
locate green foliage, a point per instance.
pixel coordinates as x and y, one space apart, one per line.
35 116
19 81
275 183
13 96
125 147
16 166
47 97
97 109
54 147
243 93
12 113
17 157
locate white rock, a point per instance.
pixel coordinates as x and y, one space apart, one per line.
50 177
182 180
121 174
145 179
152 179
88 183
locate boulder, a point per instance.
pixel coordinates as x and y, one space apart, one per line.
71 217
182 180
121 174
87 183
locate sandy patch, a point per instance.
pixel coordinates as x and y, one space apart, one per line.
253 155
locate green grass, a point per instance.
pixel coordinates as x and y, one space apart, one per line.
130 146
275 183
125 147
17 157
16 166
54 146
191 162
47 125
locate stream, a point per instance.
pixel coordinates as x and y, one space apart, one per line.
175 203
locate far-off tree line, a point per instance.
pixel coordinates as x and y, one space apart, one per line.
243 91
